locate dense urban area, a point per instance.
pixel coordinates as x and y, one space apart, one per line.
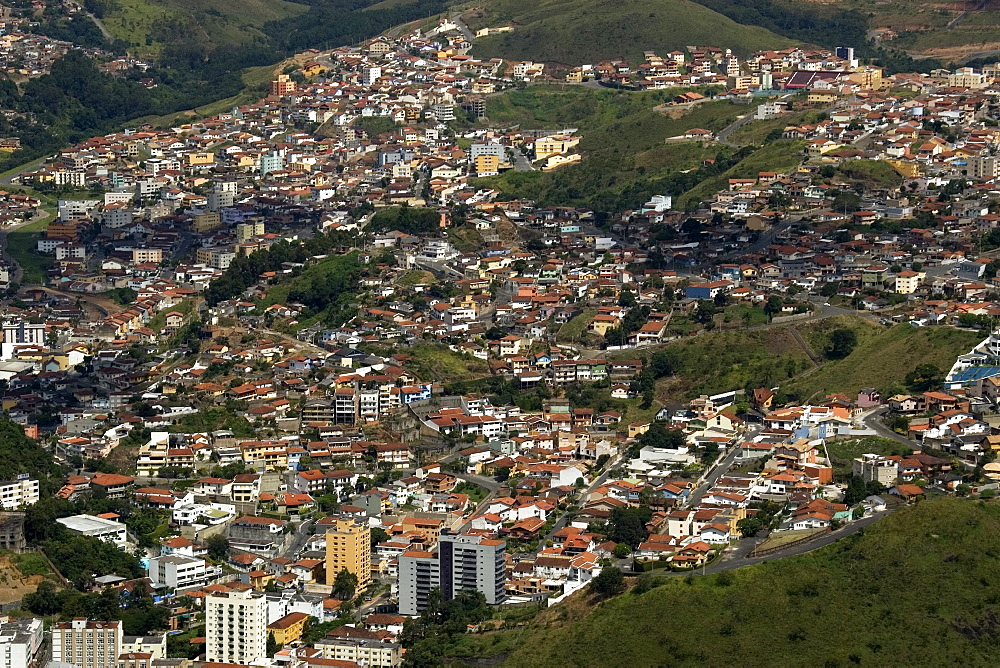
414 354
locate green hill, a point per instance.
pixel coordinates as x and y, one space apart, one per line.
724 360
218 24
912 589
573 32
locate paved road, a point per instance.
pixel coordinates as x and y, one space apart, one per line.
873 421
302 536
720 469
600 480
723 136
739 557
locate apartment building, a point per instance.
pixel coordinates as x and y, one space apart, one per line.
348 545
18 493
236 627
87 644
21 642
463 562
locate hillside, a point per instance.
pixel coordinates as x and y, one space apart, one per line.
724 360
882 357
911 589
572 32
145 23
626 159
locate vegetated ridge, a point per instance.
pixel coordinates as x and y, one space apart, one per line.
916 588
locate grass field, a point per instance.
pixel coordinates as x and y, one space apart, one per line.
21 245
441 364
587 31
220 23
754 132
882 357
842 453
780 156
912 589
577 325
731 359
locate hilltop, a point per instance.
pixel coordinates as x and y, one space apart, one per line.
586 31
911 589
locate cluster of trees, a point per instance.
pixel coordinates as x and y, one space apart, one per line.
135 608
634 318
924 378
246 270
628 525
857 490
406 219
20 454
842 342
427 637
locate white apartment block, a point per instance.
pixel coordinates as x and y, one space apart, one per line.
18 493
236 627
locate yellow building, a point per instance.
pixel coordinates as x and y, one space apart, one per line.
247 231
487 164
202 158
910 170
349 546
289 628
206 221
870 78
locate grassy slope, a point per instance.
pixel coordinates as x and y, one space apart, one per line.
912 589
224 23
726 360
438 363
622 142
780 156
586 31
883 357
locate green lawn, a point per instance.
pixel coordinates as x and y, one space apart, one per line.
756 131
779 156
910 590
882 357
623 135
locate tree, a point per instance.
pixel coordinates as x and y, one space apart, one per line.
272 645
829 289
924 378
610 582
628 525
842 342
622 550
345 585
379 535
773 306
218 547
856 490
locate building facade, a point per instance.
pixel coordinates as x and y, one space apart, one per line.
236 627
348 546
87 644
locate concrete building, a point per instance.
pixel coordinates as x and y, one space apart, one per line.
17 334
236 627
419 573
86 644
463 562
875 467
177 571
18 493
348 545
88 525
369 653
20 642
